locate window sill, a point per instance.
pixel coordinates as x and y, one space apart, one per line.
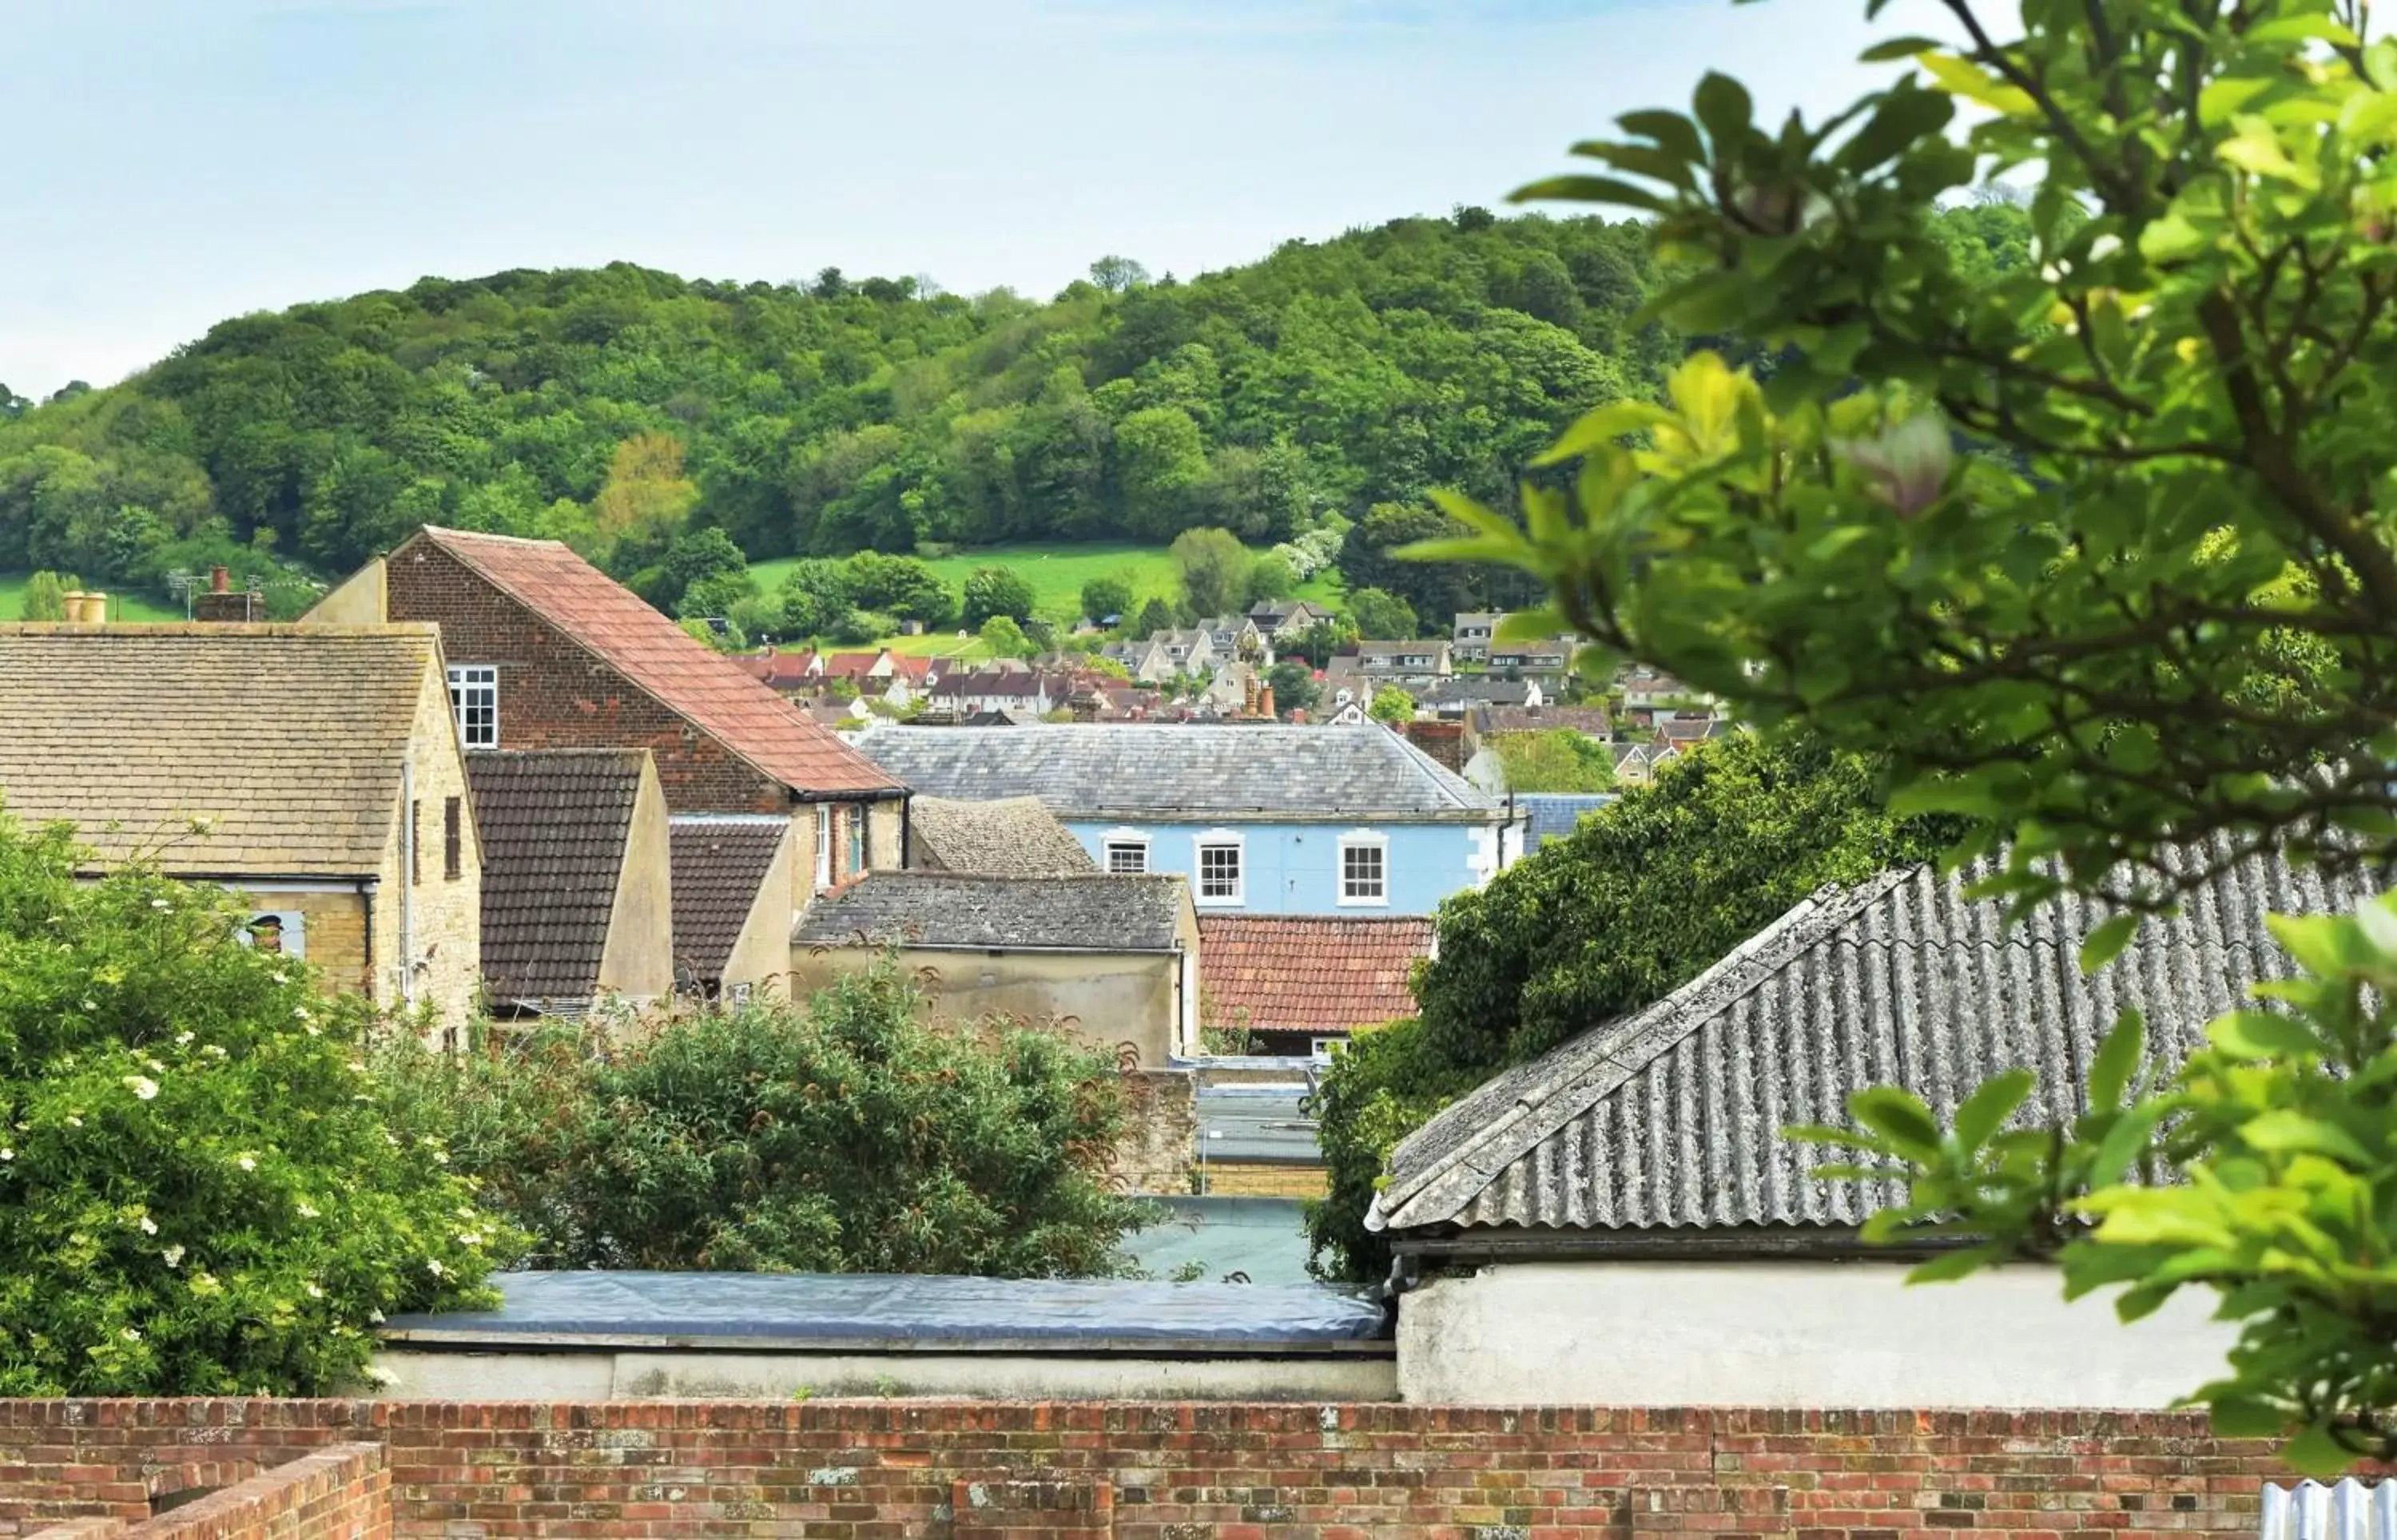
1383 902
1235 902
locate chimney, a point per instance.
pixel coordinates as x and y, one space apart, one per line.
1265 703
220 581
225 605
86 608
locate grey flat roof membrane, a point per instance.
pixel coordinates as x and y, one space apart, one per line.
826 1313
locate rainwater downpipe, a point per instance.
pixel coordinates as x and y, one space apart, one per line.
407 885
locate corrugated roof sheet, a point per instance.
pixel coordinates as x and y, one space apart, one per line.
1092 912
1010 836
2349 1511
1164 771
555 823
1671 1117
716 693
719 860
1266 1124
1307 972
289 738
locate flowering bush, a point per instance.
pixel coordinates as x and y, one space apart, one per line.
200 1191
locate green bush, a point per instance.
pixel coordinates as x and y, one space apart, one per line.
200 1193
847 1135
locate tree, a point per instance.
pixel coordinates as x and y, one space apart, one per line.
703 558
1104 599
1213 567
1271 577
1118 274
46 595
200 1191
995 591
2097 547
1392 705
1555 758
901 586
1004 637
1319 643
646 489
814 596
1155 616
1293 686
1162 471
1649 892
847 1135
1380 616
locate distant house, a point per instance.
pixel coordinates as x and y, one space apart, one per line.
1401 660
864 670
1637 763
1470 637
1232 636
1646 689
1036 695
785 673
1555 815
1624 1217
313 770
577 906
1458 693
1549 658
1285 620
734 875
1683 730
1146 661
1234 691
1268 818
1589 721
1006 836
1299 983
1115 957
545 651
1188 651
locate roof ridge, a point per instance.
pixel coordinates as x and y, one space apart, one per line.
447 531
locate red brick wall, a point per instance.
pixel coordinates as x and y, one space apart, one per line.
556 695
855 1471
340 1492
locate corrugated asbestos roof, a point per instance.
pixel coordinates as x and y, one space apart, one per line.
2349 1511
716 693
1166 771
1671 1117
1010 836
555 823
287 738
719 861
1092 912
1307 972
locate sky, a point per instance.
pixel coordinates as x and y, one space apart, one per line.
176 162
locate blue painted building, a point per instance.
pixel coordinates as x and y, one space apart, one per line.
1263 819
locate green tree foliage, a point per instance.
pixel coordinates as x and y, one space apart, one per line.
200 1192
847 1135
841 415
1382 616
1293 686
1102 597
995 591
1005 637
1320 642
814 596
1555 758
900 586
1392 705
1213 566
46 595
1644 895
1154 617
1271 577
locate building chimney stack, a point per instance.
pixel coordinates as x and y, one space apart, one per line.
1265 703
220 581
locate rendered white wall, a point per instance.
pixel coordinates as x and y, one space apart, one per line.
1790 1334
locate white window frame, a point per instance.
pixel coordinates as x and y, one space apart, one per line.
1363 838
467 677
1321 1049
823 846
1125 840
1219 839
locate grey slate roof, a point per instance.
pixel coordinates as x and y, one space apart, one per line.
1670 1119
554 822
1554 815
1162 771
1010 836
1089 913
719 860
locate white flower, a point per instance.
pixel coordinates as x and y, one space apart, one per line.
245 1161
381 1375
73 1122
299 1011
149 1225
375 1316
433 1267
143 1087
440 1157
89 1006
132 1335
283 978
154 1067
184 1038
215 1050
314 1292
307 1211
2104 246
157 903
2052 271
7 1153
174 1255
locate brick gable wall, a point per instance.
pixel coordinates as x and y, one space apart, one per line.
853 1470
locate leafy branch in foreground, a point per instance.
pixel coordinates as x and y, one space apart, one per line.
2265 1168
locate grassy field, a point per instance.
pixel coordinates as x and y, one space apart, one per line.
121 607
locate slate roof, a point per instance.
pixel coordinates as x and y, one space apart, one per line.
975 910
1159 771
1307 972
1478 689
288 738
555 823
1667 1120
1591 720
718 860
1554 815
1010 836
716 694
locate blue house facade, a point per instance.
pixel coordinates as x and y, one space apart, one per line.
1258 819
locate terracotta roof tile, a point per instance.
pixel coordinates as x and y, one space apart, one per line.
716 694
719 861
555 823
1307 972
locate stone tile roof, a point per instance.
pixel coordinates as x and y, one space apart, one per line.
1307 972
719 860
1155 771
1668 1120
1591 720
1009 836
555 823
1090 913
716 694
289 738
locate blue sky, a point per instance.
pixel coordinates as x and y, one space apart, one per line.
174 162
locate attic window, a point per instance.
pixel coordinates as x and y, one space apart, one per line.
474 696
1127 854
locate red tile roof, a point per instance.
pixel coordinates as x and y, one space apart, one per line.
715 693
1307 972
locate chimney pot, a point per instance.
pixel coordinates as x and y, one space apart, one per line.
220 581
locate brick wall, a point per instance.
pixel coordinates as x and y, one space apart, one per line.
339 1493
853 1470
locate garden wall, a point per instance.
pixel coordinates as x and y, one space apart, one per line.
854 1470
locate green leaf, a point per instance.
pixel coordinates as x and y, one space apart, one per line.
2104 944
2287 1131
2316 1452
2172 238
1603 426
1598 189
1671 131
1947 1266
2116 1060
2261 1035
1916 798
2324 945
1898 47
2245 1418
1904 116
1899 1117
1963 78
1724 107
1989 1106
2220 100
2126 1139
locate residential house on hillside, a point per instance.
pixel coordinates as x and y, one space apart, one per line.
1238 636
1284 620
856 668
545 651
1267 818
1190 650
1147 661
784 673
1300 983
1624 1219
1646 689
1399 661
577 906
314 771
1014 690
1459 694
1469 638
1684 730
1548 659
1237 690
1639 763
734 875
1006 836
1113 957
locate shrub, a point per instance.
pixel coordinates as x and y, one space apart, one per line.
200 1193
